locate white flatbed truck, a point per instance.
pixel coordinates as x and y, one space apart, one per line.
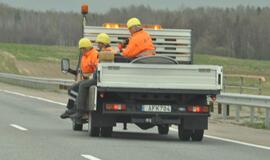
161 90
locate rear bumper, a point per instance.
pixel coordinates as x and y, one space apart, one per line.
167 114
187 120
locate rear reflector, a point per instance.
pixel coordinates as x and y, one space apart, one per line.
197 109
116 107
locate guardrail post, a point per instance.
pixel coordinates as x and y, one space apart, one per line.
219 108
252 114
238 113
211 105
260 93
224 111
267 118
260 86
241 84
224 85
228 110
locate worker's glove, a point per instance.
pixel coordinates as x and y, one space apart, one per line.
120 47
92 66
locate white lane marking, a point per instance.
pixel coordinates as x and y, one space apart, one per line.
33 97
172 129
18 127
230 140
238 142
90 157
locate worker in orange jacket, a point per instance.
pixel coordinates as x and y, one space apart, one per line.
140 43
79 91
103 41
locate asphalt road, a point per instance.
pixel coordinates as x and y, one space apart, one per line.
45 136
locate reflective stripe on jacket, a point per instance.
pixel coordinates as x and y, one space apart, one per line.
139 42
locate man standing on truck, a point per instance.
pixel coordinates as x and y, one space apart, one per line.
140 43
89 60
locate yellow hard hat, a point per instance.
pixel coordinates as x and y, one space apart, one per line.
85 43
103 38
133 22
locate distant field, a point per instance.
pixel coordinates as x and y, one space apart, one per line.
240 66
40 60
36 60
38 52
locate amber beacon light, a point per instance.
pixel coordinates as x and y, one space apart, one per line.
84 9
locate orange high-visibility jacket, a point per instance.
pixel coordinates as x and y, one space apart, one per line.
139 42
89 61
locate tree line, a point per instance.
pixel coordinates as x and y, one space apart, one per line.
242 32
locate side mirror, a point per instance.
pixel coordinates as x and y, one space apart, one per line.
65 65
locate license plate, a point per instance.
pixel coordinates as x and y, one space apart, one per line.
156 108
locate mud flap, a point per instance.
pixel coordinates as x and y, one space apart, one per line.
100 120
195 122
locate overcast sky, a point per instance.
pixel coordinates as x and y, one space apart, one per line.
102 6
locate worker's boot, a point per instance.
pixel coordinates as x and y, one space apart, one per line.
71 109
79 116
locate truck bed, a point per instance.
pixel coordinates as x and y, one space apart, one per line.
160 77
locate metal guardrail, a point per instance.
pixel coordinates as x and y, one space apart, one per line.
35 82
226 99
239 100
242 85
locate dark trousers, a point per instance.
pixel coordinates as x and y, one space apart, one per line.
73 90
81 100
73 93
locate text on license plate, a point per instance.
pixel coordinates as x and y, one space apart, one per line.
156 108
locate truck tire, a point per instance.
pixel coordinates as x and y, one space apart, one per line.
106 131
163 129
76 126
197 135
92 131
184 134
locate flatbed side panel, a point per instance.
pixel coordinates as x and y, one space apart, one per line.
185 77
153 90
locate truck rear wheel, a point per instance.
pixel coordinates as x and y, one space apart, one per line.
163 129
92 131
76 126
106 131
197 135
184 134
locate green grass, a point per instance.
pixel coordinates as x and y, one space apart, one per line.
7 63
43 53
236 66
257 125
39 52
239 66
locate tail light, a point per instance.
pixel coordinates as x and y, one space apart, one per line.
116 107
198 109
